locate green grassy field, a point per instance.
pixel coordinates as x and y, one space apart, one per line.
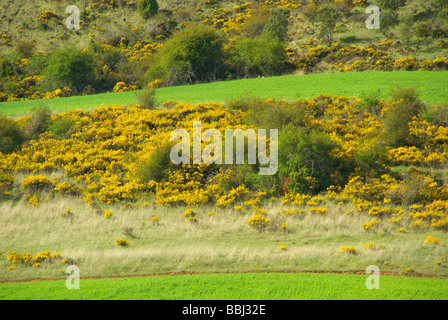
432 86
263 286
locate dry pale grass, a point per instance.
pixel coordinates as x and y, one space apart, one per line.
217 243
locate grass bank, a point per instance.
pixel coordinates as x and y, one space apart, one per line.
432 86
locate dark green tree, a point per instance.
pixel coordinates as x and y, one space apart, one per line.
277 24
391 4
326 19
11 136
69 67
194 53
260 56
147 8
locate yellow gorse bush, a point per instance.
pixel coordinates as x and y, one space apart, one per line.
108 214
350 250
258 222
121 242
36 183
32 260
431 239
189 213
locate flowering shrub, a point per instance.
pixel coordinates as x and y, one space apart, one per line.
48 15
67 213
155 220
369 226
6 184
371 245
36 183
108 214
121 87
33 260
189 213
33 200
122 242
320 210
193 220
431 239
258 222
406 63
67 188
350 250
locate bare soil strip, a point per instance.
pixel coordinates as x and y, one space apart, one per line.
396 274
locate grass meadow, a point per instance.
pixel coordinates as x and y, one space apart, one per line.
431 86
250 286
219 242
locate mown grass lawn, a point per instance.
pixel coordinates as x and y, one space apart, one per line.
432 86
262 286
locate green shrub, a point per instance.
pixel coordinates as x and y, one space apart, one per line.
389 20
11 87
326 19
111 57
194 53
133 71
11 136
61 126
305 157
372 160
369 101
6 68
38 123
269 115
25 47
277 25
437 115
260 56
69 67
391 4
147 8
147 98
442 3
157 167
6 183
42 26
255 24
397 117
37 64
